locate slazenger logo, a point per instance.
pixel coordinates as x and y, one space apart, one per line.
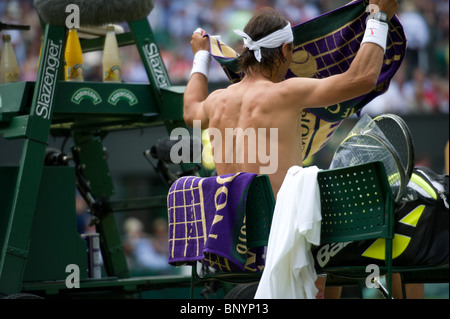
154 60
48 84
327 252
86 93
124 95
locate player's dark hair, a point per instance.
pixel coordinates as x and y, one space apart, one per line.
263 23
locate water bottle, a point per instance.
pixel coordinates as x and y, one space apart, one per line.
111 57
9 69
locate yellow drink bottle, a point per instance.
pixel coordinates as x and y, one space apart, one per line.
9 69
111 57
73 58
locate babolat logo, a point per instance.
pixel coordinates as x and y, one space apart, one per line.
327 252
49 78
86 94
156 64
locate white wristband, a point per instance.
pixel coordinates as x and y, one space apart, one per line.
376 32
202 62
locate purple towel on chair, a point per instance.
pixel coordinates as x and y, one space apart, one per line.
207 223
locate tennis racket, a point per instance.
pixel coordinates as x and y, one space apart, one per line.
399 136
368 147
386 139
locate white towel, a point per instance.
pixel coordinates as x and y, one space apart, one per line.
289 271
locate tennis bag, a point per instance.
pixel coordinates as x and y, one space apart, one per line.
421 230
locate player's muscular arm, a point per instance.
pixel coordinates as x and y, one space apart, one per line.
196 91
360 79
194 100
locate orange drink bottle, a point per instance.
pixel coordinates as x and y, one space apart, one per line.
73 58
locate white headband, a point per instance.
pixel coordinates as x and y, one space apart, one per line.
271 41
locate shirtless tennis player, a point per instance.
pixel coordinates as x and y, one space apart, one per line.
262 99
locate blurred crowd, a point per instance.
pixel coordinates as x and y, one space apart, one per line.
421 86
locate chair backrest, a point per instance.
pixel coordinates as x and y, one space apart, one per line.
260 208
356 203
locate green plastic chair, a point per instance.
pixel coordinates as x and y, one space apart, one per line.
357 204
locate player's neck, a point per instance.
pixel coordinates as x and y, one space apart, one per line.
261 75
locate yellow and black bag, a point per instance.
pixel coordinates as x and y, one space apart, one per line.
421 230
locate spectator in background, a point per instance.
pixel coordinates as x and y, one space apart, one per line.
395 100
418 35
12 15
298 11
425 93
145 253
441 89
159 236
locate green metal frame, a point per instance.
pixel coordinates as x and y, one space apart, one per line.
35 128
32 111
54 240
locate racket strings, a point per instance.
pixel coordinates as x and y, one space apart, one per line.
389 142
